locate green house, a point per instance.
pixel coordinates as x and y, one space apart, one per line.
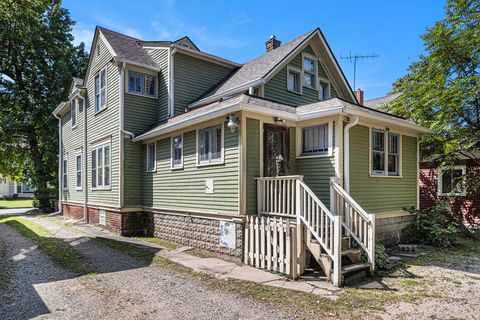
162 138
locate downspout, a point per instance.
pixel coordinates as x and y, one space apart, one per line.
60 164
346 152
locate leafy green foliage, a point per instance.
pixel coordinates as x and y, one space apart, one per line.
381 257
37 62
442 90
432 227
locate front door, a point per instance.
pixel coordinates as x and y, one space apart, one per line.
275 150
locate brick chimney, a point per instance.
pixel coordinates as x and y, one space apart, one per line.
272 43
359 96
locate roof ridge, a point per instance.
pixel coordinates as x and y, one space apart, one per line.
121 34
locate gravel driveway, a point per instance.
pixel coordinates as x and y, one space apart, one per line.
123 288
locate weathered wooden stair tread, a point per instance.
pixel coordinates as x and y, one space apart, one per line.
355 267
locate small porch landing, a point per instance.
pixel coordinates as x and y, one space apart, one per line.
292 222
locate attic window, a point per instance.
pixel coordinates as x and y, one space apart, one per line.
294 80
309 72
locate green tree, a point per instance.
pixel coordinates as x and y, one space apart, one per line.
442 90
37 62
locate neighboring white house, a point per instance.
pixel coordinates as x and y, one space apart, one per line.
10 188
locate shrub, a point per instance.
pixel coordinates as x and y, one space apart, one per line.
432 227
381 257
45 199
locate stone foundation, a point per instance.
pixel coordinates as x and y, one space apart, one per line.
124 223
195 232
391 231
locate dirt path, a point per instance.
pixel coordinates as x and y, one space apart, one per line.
122 289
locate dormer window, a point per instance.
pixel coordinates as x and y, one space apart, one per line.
323 90
294 80
309 72
142 84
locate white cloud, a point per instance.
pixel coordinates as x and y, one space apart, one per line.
83 33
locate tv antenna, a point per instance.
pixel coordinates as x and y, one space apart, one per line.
355 58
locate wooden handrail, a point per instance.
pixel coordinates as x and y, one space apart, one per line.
350 200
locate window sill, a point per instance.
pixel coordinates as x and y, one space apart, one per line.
296 92
304 156
176 168
142 95
100 111
210 164
102 189
78 189
151 171
311 88
382 176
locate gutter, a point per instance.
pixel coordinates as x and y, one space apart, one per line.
84 161
60 158
346 152
120 60
171 83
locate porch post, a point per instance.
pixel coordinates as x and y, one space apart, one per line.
300 245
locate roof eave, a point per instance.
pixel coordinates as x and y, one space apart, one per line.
118 59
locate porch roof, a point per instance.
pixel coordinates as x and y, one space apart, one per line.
250 103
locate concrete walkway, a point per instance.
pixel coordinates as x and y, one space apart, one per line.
17 211
214 266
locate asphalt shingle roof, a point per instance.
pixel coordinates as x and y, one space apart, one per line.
260 66
381 101
127 47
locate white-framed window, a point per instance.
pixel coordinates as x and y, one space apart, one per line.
65 171
101 90
210 145
151 157
78 170
142 84
385 153
309 71
73 112
315 140
451 181
177 152
294 80
323 90
101 166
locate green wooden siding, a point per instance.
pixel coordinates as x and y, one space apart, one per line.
193 78
253 164
317 172
104 124
160 56
276 88
184 189
378 195
72 143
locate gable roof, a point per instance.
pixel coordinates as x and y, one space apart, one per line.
127 47
260 66
379 102
257 71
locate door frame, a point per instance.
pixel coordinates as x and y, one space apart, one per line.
286 133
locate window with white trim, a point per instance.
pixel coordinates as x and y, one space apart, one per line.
177 152
73 112
78 167
64 172
323 90
451 181
141 83
101 90
151 157
385 153
101 166
293 80
315 140
309 72
210 145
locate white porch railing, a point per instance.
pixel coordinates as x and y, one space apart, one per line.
359 224
276 195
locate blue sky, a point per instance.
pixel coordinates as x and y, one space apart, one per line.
237 30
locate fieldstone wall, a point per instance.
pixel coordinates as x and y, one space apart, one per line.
195 232
391 231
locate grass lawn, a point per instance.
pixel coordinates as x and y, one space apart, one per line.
10 204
